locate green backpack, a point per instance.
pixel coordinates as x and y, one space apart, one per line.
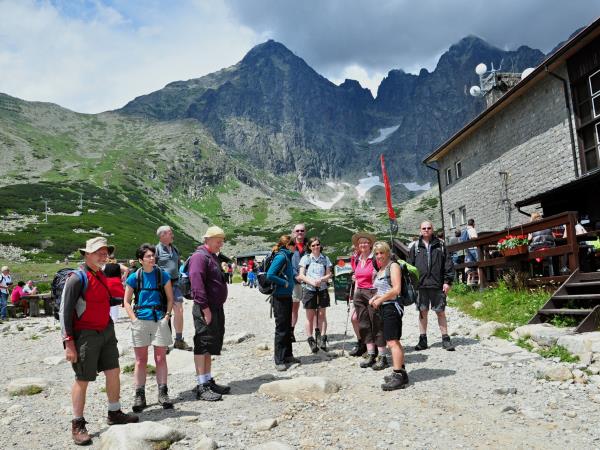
410 281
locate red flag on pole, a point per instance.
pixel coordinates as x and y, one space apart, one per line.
388 198
388 191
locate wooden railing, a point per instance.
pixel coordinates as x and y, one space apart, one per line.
486 245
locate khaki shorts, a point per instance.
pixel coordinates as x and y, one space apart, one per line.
297 293
149 332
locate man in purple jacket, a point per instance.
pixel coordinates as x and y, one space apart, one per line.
209 292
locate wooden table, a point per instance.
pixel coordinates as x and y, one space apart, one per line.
34 304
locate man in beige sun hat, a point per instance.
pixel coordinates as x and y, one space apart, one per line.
85 324
209 292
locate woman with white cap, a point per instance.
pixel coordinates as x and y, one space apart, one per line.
369 319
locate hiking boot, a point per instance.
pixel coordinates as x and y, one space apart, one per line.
382 363
398 380
359 349
280 367
80 432
369 362
180 344
139 402
422 345
292 337
163 397
204 392
120 418
447 343
390 376
218 388
292 360
312 344
323 344
318 337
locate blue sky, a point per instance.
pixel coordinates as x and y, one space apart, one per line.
95 55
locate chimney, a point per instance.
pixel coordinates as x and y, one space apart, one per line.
497 84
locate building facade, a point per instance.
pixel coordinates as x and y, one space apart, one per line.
542 134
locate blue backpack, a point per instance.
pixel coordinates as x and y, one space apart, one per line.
464 235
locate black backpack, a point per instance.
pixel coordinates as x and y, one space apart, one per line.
58 285
160 288
264 285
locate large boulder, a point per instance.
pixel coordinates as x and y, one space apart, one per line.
26 386
139 436
543 334
302 388
554 373
486 330
575 343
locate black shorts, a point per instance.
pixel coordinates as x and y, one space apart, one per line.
208 338
309 299
392 322
96 352
433 299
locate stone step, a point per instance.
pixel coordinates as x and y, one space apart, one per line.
566 311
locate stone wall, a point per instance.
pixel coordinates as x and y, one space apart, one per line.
529 141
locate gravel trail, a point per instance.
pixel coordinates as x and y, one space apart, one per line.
461 399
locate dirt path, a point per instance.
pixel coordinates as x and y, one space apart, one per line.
451 401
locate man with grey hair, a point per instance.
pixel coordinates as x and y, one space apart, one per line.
436 275
298 237
168 258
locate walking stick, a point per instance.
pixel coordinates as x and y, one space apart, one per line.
317 331
347 317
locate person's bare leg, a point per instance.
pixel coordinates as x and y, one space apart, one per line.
160 359
141 364
113 384
442 322
310 319
295 308
423 321
397 354
323 321
78 393
178 317
203 364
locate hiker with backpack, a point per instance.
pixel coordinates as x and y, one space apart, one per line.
209 292
369 319
89 336
436 275
281 273
168 258
315 270
150 314
388 286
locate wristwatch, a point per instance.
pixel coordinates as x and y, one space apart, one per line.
169 314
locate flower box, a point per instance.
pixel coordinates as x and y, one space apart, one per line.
519 250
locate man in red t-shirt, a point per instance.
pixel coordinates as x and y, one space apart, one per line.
299 236
85 323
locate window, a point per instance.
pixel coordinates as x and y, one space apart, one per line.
587 106
462 213
595 91
458 167
452 219
448 176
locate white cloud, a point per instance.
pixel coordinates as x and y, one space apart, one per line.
102 61
369 80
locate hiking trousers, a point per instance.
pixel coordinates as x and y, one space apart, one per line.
370 322
282 310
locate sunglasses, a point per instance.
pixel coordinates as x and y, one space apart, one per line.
426 228
299 231
316 245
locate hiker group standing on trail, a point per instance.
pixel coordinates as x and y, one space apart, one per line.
296 272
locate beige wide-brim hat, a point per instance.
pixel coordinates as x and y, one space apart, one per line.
213 232
94 244
4 269
370 237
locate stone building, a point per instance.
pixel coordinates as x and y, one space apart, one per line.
535 148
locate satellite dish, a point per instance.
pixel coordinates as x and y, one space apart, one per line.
480 69
527 72
475 91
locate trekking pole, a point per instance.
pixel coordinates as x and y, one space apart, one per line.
347 317
317 331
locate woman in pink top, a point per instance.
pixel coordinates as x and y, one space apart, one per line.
369 319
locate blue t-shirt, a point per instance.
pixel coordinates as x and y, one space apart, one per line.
146 297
